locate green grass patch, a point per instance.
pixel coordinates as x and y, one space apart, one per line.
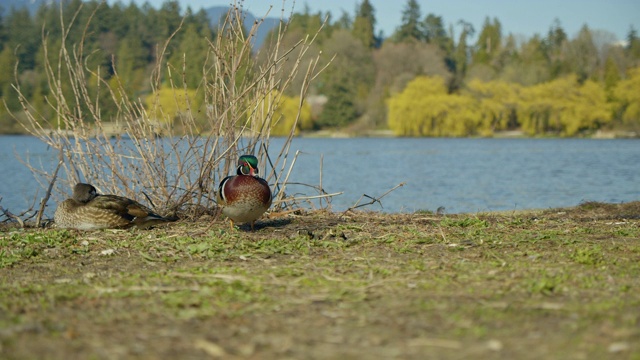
480 286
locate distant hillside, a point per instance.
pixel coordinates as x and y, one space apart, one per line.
216 13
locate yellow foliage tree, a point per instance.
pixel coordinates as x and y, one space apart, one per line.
285 113
459 116
563 106
115 85
166 104
627 98
424 108
590 109
498 103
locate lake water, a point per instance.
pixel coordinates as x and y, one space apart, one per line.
461 175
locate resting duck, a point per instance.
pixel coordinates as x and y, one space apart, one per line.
88 210
244 197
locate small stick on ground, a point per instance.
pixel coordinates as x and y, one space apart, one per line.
373 199
9 215
311 197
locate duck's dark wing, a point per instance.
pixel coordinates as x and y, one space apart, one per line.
130 210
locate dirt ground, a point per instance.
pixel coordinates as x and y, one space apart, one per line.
553 284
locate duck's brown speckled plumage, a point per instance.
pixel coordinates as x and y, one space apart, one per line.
244 197
87 210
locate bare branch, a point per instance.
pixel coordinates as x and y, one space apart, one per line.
373 199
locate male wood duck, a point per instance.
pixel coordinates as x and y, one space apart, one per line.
244 197
88 210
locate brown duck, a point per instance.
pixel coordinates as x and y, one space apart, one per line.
88 210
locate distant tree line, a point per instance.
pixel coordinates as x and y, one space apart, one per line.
428 78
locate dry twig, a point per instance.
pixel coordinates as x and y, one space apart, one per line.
11 216
373 199
44 201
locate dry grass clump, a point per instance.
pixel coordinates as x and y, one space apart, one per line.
173 164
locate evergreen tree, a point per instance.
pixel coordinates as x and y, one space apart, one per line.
7 61
131 60
190 56
461 56
168 19
489 42
3 30
344 21
340 108
435 32
633 46
555 48
529 66
364 24
611 75
23 38
507 55
309 24
584 55
411 28
347 82
556 37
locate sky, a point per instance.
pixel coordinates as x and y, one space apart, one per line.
518 17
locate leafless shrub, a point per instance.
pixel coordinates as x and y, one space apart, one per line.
173 164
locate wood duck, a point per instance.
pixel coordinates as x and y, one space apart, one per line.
244 197
88 210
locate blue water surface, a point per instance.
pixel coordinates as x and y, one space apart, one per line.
461 175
